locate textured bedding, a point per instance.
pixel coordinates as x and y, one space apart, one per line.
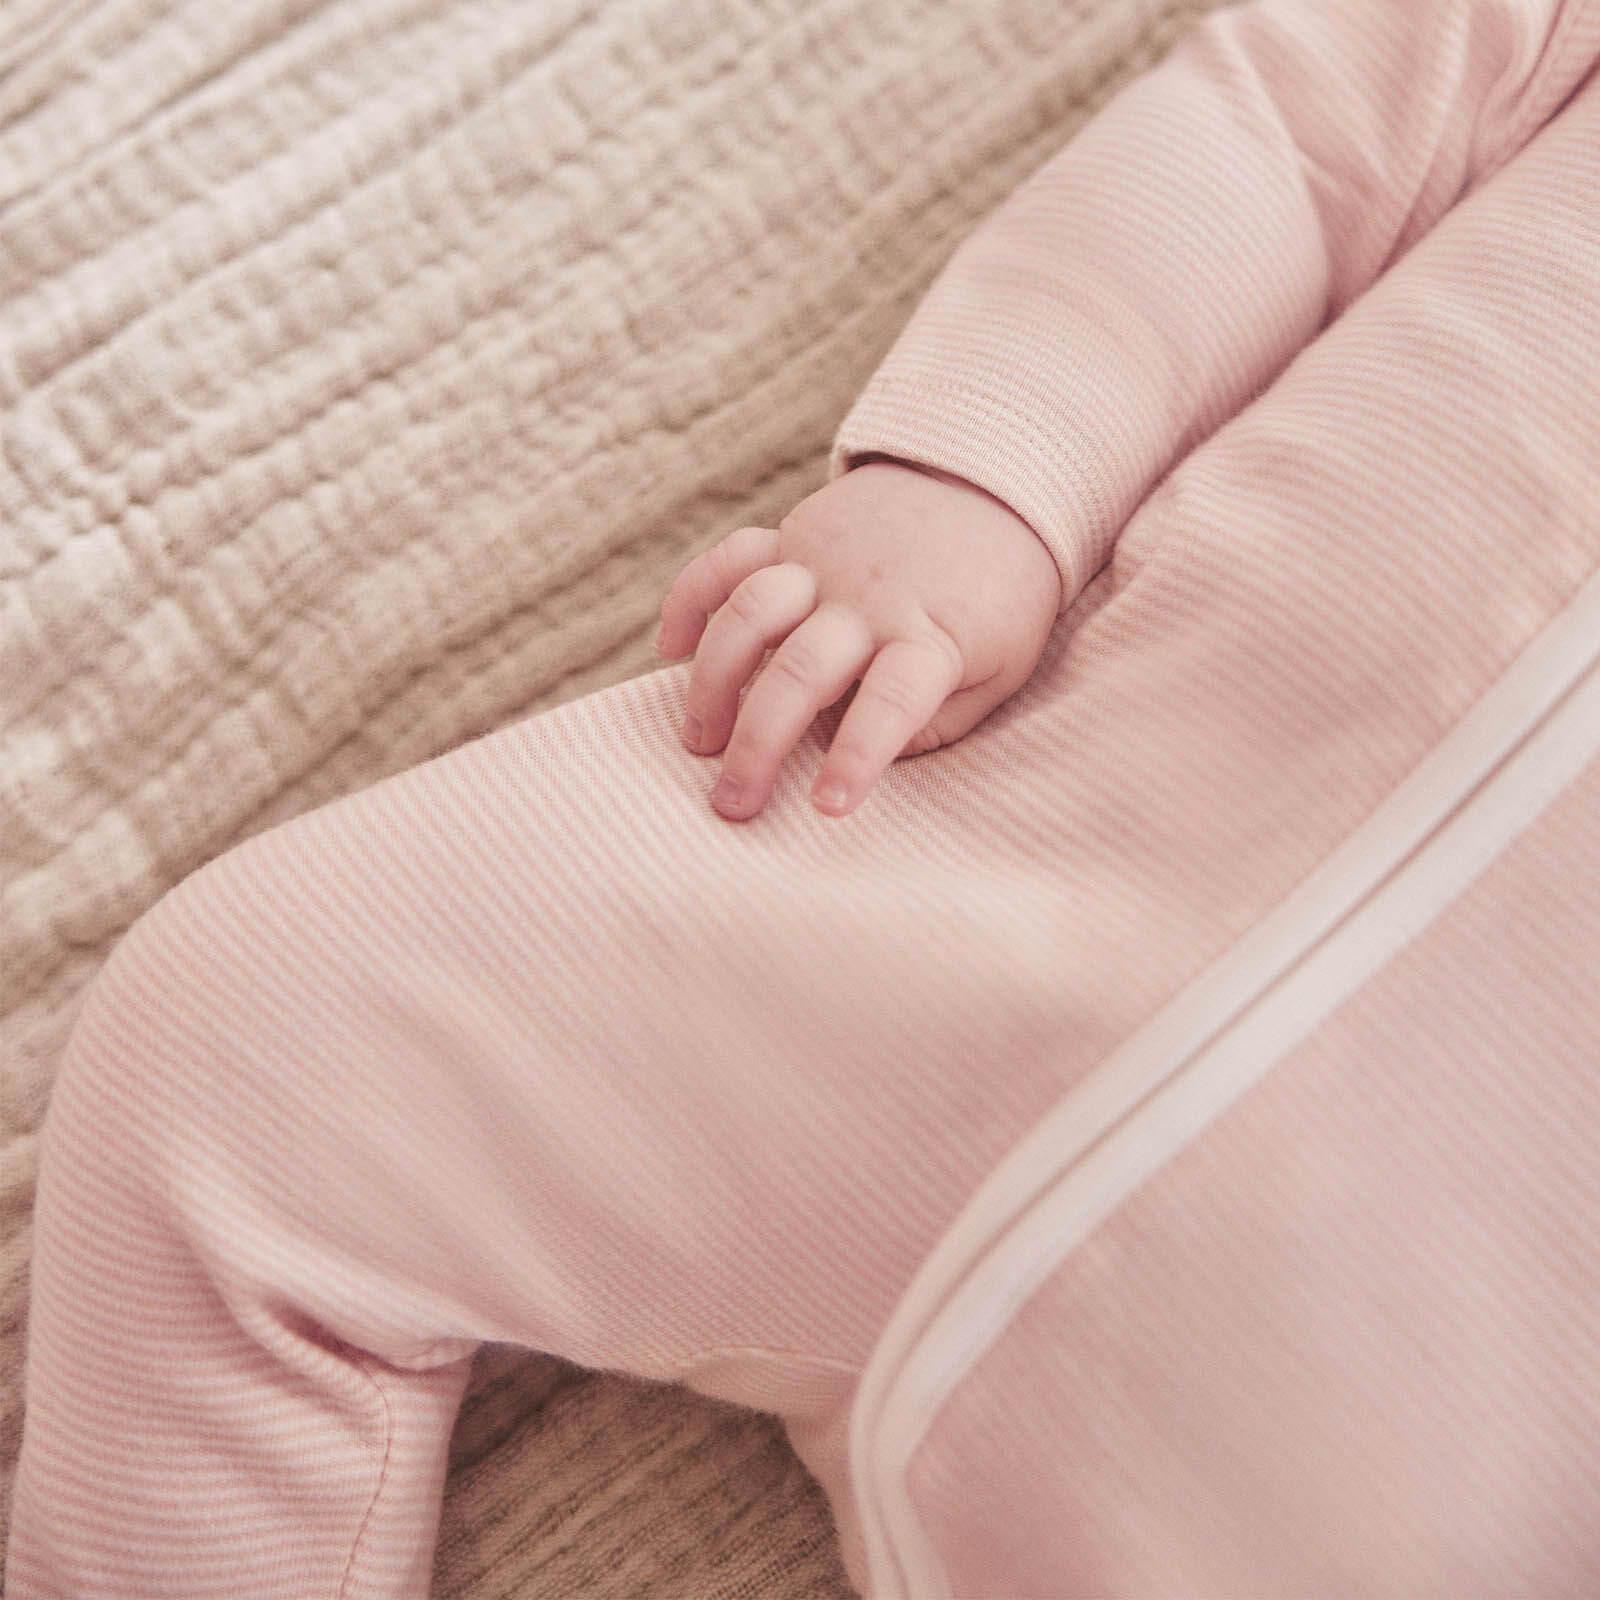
367 369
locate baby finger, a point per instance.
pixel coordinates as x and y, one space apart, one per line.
813 668
759 614
908 681
707 582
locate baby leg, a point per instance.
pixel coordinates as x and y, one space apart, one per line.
478 1054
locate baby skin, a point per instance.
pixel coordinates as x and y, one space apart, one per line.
931 593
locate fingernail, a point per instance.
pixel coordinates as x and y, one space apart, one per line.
831 797
693 733
660 635
725 797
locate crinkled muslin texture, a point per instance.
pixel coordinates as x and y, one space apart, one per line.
1290 361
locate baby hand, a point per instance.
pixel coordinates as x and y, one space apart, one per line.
929 591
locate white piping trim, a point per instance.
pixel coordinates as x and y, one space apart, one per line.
1434 834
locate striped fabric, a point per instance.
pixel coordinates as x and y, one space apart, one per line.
527 1045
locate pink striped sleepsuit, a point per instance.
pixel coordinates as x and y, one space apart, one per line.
1149 1146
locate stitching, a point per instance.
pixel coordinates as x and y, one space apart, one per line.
383 1478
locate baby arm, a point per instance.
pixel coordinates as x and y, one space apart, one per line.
1122 304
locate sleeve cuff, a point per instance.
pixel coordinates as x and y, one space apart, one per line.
1011 389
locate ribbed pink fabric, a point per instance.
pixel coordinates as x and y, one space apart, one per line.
528 1045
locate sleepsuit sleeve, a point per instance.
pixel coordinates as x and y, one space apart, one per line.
1149 280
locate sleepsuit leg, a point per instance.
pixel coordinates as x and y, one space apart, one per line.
523 1045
